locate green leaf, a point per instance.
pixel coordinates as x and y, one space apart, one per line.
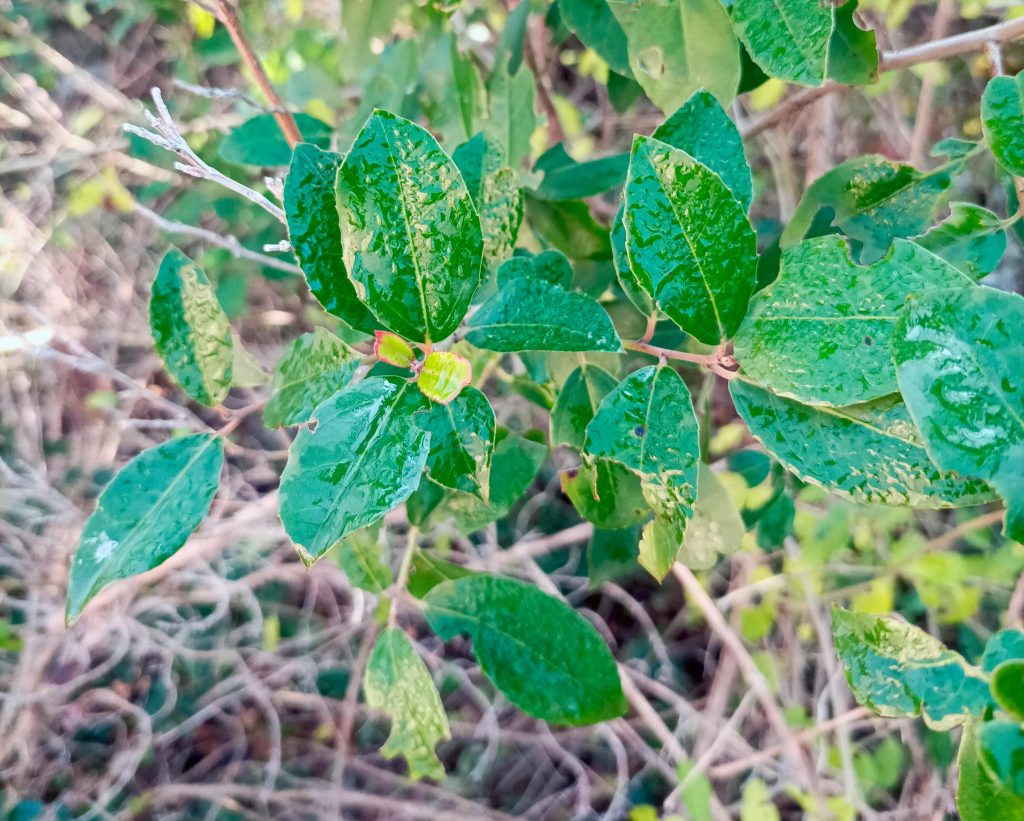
511 117
398 683
900 671
145 514
191 330
958 361
427 571
595 25
363 457
1008 687
316 366
605 493
443 375
1002 118
676 47
787 38
852 51
390 85
451 91
1005 645
868 453
508 52
410 231
534 315
971 239
637 291
874 200
820 332
612 554
393 350
577 403
550 266
980 797
461 443
716 528
259 140
311 208
543 656
1002 750
576 180
689 237
361 556
364 21
569 227
660 543
647 424
495 190
703 129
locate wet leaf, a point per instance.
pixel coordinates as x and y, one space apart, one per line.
260 141
398 683
550 266
311 208
409 229
461 443
900 671
577 403
1002 117
543 656
191 330
316 366
394 350
820 333
789 39
688 236
534 315
635 284
363 457
971 239
605 493
145 514
868 453
443 374
361 556
980 797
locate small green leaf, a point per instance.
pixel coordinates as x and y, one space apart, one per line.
1002 750
852 51
363 457
789 39
451 91
660 543
145 514
1008 687
595 25
900 671
1002 118
635 284
427 571
980 796
577 403
820 332
573 180
394 350
398 683
543 656
511 117
868 453
461 443
551 266
443 374
688 236
958 361
970 239
259 140
716 528
410 232
361 556
191 330
311 208
605 493
534 315
316 366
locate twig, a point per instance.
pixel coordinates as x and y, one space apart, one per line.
926 98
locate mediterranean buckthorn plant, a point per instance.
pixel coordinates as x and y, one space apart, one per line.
549 262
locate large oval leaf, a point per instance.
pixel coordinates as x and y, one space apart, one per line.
410 232
363 458
1002 117
191 330
789 39
689 237
959 358
145 514
315 367
461 443
542 655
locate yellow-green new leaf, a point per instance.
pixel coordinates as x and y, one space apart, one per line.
443 374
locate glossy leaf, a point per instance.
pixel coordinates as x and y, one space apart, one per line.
398 683
311 208
595 25
443 374
551 266
145 514
789 39
971 239
534 315
461 443
716 528
393 350
363 457
1002 117
316 366
361 556
900 671
980 797
689 237
634 283
647 423
868 453
543 656
676 47
577 403
410 232
958 360
820 332
1008 687
852 51
191 330
260 141
1002 750
605 493
874 200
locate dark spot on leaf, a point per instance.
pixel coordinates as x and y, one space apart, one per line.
572 473
639 430
869 341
